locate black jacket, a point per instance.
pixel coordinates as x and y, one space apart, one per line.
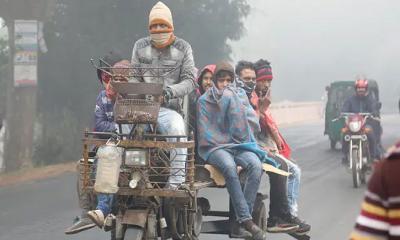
356 104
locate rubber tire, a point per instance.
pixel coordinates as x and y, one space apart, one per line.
133 233
197 221
174 221
355 170
332 144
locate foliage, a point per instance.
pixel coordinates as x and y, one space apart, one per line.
80 30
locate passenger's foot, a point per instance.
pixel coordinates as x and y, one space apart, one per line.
80 224
109 222
304 228
278 225
256 232
97 217
239 232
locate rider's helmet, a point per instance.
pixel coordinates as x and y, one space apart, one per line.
361 87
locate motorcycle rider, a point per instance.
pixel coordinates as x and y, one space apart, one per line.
283 207
362 102
104 121
163 49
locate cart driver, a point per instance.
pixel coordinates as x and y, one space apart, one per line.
163 49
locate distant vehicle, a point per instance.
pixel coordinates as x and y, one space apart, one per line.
338 92
355 134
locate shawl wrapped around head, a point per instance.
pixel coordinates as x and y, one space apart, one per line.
227 120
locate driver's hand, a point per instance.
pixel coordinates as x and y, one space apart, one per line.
167 95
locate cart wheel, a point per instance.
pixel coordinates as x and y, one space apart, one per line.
197 221
260 215
174 220
133 233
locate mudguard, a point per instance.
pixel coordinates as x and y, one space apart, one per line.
135 217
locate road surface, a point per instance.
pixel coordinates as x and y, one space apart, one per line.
43 209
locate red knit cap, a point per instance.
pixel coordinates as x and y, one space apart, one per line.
263 70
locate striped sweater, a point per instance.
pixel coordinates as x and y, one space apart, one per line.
380 212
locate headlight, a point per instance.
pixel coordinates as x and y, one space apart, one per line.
355 126
136 157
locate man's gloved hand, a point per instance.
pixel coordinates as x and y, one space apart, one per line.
167 95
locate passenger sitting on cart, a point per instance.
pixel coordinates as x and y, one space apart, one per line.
283 207
225 124
204 81
163 49
104 122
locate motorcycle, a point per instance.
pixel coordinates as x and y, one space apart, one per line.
355 134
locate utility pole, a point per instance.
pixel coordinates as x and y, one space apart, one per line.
21 100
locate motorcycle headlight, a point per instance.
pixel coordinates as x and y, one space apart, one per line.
355 126
135 157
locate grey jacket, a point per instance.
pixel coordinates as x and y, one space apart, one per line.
178 55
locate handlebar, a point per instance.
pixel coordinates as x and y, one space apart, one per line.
347 114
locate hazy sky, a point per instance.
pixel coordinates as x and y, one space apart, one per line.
313 42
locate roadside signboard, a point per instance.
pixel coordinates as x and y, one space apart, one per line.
26 53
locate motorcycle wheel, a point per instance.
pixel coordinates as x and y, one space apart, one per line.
133 233
355 168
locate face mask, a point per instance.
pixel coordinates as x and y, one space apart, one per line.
160 39
248 87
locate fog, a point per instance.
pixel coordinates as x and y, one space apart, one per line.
312 43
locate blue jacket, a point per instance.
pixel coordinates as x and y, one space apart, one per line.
103 114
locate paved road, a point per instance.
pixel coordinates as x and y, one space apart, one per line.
41 210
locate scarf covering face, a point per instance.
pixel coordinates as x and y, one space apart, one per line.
226 120
161 14
162 40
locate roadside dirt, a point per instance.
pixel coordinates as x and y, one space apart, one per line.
34 174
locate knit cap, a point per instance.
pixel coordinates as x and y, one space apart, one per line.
161 14
263 70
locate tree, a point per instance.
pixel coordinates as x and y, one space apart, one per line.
3 73
80 30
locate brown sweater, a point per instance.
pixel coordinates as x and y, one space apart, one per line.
380 212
